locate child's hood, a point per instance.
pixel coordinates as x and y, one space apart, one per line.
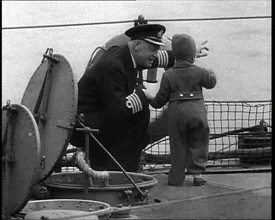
184 47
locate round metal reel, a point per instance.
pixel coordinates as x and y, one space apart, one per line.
20 158
55 131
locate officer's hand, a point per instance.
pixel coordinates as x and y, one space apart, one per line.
202 50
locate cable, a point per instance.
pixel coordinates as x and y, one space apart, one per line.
211 19
130 21
65 25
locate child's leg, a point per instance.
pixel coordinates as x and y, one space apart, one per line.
178 146
198 151
197 157
198 136
176 174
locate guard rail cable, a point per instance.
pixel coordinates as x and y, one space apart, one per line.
131 21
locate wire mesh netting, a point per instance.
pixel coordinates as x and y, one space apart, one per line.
240 135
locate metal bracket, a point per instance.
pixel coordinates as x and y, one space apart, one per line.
42 162
7 138
143 197
9 108
50 56
65 124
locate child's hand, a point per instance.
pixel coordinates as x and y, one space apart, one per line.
202 50
147 94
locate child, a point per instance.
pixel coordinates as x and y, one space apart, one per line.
188 129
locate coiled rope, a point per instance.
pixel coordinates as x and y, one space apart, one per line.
131 21
81 164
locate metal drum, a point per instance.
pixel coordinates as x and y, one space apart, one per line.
119 189
66 209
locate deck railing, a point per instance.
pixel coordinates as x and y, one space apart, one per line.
240 136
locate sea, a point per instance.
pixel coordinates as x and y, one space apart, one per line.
239 49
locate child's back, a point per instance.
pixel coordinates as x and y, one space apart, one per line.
188 128
185 80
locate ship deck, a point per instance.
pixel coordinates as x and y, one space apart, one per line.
225 196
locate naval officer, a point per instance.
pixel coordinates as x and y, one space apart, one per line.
112 101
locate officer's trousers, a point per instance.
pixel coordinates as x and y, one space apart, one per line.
189 138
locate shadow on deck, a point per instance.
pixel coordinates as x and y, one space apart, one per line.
225 196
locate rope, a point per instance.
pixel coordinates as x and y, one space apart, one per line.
67 25
143 194
83 166
131 21
211 19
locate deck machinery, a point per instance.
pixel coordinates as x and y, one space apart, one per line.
35 137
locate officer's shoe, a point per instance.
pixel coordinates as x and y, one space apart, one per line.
199 182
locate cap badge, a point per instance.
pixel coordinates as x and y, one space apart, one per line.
160 34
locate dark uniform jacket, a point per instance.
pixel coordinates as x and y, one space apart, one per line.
111 101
